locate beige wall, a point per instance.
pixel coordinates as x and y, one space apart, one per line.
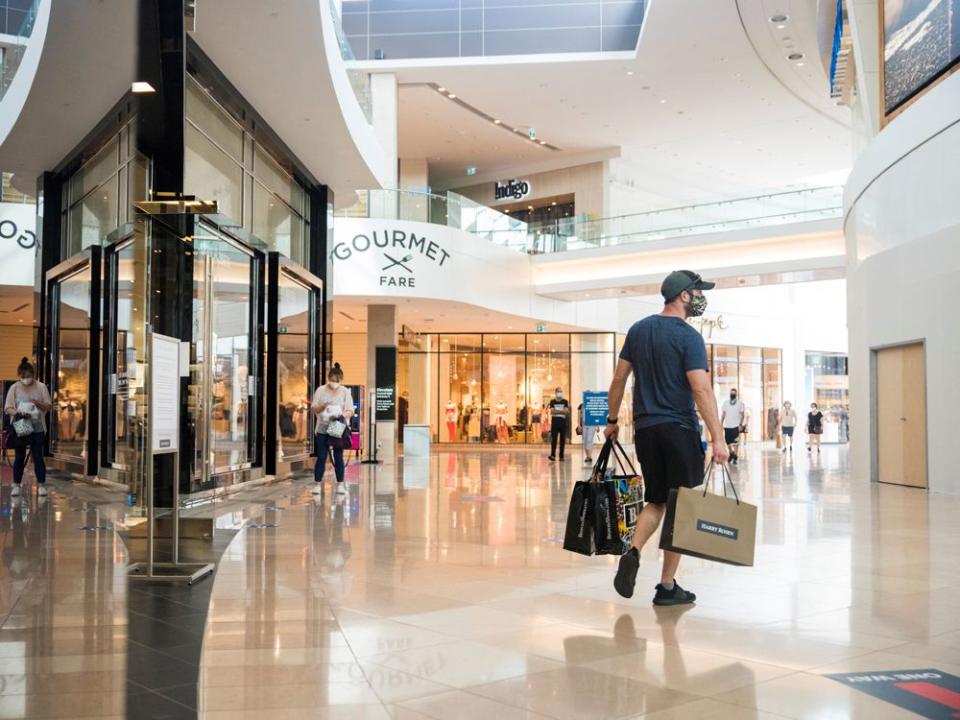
17 343
584 181
350 350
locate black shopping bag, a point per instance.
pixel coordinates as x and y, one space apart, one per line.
705 525
579 537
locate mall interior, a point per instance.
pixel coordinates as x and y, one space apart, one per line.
208 205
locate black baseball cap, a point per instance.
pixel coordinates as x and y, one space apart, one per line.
680 280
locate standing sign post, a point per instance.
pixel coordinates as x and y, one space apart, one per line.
163 421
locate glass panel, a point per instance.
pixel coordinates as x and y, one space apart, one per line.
276 225
417 385
724 352
772 397
295 390
278 181
123 383
196 403
546 371
750 354
504 413
94 217
418 343
504 343
552 342
138 183
459 343
771 355
211 174
95 172
827 384
751 395
591 342
460 396
213 120
72 381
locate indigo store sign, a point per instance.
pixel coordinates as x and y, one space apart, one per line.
398 254
511 189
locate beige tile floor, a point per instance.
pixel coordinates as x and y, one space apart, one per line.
440 590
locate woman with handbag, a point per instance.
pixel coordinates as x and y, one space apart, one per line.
27 402
333 406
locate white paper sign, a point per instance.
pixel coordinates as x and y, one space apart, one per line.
164 393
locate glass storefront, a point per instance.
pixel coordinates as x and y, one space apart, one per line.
495 388
294 368
828 385
757 374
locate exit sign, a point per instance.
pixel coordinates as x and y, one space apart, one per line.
541 328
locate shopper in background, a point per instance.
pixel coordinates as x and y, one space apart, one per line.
29 399
788 421
814 427
733 418
332 401
559 415
668 360
588 432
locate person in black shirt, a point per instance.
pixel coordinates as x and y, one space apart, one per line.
559 417
814 427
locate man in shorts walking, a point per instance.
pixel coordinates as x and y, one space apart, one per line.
733 417
671 382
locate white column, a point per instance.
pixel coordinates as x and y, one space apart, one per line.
383 93
381 332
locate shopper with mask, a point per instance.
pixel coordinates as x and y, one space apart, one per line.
29 400
332 401
671 382
814 427
559 417
788 421
733 417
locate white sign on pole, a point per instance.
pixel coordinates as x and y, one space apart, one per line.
164 393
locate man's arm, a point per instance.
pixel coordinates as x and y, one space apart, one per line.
707 405
615 395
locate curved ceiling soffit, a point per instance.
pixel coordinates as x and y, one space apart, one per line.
775 76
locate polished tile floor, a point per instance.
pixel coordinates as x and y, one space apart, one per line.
438 589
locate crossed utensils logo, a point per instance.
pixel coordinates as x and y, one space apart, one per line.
398 263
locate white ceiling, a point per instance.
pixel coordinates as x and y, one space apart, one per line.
710 106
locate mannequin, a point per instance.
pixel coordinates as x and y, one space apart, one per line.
451 414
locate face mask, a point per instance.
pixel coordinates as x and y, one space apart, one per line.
697 306
27 380
733 397
559 394
334 384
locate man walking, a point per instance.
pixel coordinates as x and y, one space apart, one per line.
733 417
671 382
559 416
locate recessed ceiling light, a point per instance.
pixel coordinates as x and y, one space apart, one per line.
779 18
795 56
452 96
496 122
442 89
663 101
543 142
629 72
141 86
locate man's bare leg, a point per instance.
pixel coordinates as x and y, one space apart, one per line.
671 561
647 523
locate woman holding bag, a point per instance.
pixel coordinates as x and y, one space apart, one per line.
333 406
27 402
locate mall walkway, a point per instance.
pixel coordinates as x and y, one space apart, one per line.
438 589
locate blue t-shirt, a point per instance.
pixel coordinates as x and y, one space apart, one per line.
662 350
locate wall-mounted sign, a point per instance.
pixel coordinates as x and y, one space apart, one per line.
398 248
595 408
472 170
541 328
511 189
706 325
18 243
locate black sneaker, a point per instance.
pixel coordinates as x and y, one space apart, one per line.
588 460
551 458
626 576
677 596
562 459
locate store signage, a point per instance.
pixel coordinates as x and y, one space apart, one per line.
472 170
929 693
706 325
511 189
18 243
385 374
164 393
595 409
398 248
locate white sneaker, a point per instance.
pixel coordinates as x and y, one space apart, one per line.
16 490
341 488
42 490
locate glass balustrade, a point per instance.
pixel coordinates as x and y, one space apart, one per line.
359 79
18 25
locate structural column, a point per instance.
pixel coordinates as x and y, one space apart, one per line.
381 377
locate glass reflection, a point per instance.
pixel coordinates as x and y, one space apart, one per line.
71 383
293 367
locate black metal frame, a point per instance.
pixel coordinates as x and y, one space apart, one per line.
277 264
92 257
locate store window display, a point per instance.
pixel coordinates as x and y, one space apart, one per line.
827 385
71 383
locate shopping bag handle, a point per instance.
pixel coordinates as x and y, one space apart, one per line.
623 458
603 458
726 478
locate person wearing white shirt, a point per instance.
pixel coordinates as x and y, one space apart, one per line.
332 401
788 421
28 399
732 417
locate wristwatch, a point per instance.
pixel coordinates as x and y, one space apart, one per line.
611 421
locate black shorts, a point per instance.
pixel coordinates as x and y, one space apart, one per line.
670 456
731 435
787 430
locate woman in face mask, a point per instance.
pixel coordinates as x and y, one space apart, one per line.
29 400
332 401
814 427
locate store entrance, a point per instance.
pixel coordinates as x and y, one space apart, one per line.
250 324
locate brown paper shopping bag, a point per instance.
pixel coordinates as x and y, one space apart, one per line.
705 525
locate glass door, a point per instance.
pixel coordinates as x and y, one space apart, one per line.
294 304
224 356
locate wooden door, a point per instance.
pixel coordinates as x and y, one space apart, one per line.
902 416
